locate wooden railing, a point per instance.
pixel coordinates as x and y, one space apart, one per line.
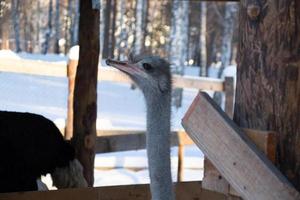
59 69
122 140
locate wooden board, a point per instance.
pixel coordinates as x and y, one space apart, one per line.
235 156
132 139
125 140
184 191
43 68
264 140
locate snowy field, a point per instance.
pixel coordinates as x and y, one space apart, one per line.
119 107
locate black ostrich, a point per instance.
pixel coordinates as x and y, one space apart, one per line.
152 76
31 146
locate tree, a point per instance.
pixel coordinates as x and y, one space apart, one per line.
15 5
85 92
179 42
228 27
57 26
202 40
45 46
4 23
141 12
75 24
106 21
121 34
268 76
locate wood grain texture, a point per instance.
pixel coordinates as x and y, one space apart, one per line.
212 179
85 92
234 155
71 73
268 76
266 142
184 191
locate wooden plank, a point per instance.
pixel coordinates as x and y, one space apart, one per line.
33 67
184 191
212 179
125 140
229 96
266 141
43 68
235 156
199 83
131 139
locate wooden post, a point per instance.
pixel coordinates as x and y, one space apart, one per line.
85 92
71 73
245 167
180 166
229 96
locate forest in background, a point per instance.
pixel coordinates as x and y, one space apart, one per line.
186 32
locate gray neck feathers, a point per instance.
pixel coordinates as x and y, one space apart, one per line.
158 145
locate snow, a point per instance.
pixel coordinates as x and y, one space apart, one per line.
74 53
119 107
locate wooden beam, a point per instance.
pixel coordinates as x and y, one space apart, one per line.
71 73
43 68
184 191
213 180
235 156
33 67
125 140
229 96
132 139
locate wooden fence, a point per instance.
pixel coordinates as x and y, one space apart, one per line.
114 140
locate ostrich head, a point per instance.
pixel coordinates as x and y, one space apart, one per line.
150 73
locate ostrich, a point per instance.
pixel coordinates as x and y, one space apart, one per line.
31 146
152 75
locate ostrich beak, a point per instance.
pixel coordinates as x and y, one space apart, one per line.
126 67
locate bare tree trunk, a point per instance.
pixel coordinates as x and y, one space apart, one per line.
112 38
203 54
45 46
37 45
68 25
75 24
106 28
141 5
102 27
26 30
179 42
57 27
15 6
85 93
268 76
4 24
228 27
229 21
121 30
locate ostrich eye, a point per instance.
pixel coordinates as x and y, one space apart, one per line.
147 67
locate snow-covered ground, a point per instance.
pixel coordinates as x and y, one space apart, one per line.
118 107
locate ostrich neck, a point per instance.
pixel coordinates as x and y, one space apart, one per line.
158 114
158 146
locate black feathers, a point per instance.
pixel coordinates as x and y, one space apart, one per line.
30 146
